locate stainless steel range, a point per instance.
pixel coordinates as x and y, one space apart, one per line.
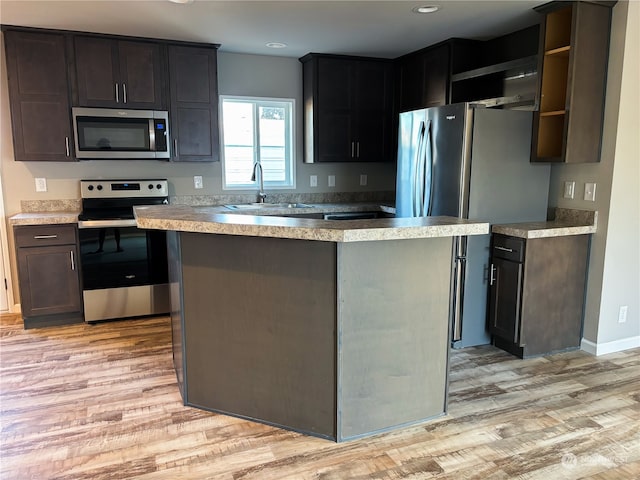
124 268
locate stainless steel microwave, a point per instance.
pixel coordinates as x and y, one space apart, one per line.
112 133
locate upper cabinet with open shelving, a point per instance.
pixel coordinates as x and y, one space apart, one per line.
574 51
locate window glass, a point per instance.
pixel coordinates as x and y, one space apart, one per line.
256 130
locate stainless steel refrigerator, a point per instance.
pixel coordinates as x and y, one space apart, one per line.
469 162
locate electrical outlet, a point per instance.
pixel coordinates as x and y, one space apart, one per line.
363 179
622 314
41 184
313 180
197 181
590 192
569 189
331 180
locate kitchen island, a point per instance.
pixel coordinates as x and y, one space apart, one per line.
338 329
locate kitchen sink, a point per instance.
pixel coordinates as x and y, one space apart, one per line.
254 206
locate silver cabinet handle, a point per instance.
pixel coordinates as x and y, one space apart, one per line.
352 148
358 149
73 261
124 93
129 277
66 143
44 237
175 147
504 249
492 278
117 96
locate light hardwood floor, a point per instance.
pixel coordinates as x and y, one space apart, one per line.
101 402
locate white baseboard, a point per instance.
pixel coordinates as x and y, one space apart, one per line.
609 347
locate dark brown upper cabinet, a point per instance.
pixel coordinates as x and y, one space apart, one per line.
39 96
193 85
499 72
574 51
118 73
423 78
347 108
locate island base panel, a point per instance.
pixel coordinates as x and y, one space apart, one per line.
259 328
393 312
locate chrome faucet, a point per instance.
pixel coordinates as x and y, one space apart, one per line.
257 167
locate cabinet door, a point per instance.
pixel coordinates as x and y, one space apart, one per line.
49 280
194 104
97 72
411 79
436 77
335 135
424 79
373 98
505 299
39 96
141 75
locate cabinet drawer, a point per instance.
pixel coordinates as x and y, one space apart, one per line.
43 235
509 248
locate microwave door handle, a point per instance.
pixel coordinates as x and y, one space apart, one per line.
152 136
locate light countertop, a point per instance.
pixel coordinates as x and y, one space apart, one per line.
211 220
44 218
567 222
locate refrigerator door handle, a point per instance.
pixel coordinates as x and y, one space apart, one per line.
418 184
427 201
461 264
460 251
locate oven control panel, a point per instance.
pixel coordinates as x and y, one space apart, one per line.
124 188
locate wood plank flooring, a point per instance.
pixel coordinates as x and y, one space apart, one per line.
101 402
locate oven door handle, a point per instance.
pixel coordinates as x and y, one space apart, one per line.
107 223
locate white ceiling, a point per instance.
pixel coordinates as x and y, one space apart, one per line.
368 28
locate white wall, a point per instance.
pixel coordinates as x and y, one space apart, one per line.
614 264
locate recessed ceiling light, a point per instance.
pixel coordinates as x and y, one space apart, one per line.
426 9
276 45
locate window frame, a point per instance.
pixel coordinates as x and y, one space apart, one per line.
290 131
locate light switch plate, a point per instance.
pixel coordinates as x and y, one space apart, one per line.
569 189
363 179
331 181
197 181
590 192
313 180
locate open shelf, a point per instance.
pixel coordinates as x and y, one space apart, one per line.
574 49
554 84
553 113
562 51
558 29
553 88
550 137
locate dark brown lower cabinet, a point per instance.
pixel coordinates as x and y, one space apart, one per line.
48 274
536 296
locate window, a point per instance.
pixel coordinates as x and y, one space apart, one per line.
257 130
